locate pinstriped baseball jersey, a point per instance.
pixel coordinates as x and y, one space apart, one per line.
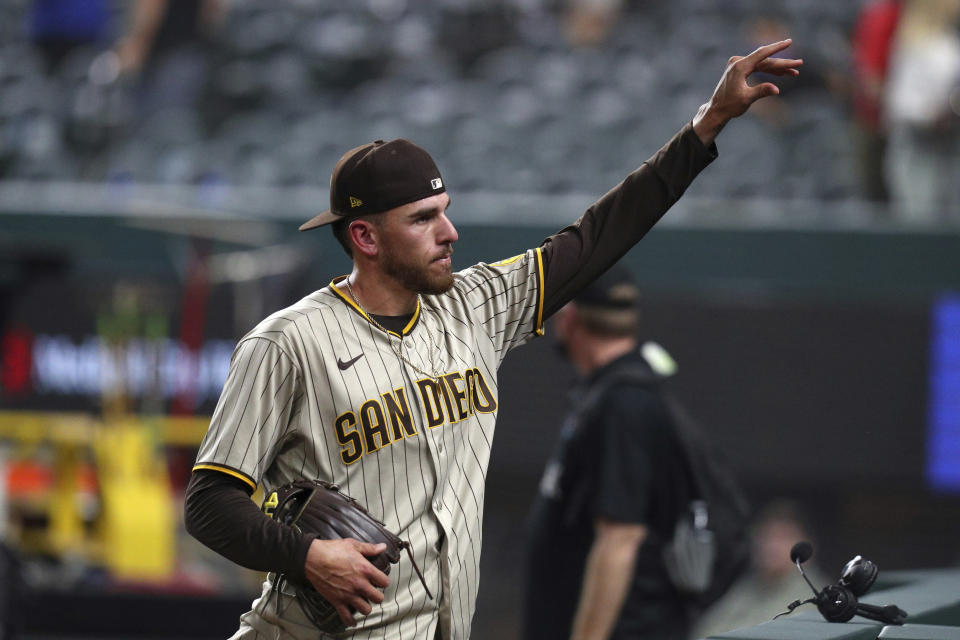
319 391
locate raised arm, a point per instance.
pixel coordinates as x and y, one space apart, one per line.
582 251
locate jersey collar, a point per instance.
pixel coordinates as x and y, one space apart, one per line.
406 330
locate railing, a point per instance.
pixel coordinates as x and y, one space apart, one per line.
218 201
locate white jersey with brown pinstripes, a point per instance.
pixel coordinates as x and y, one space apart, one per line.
318 391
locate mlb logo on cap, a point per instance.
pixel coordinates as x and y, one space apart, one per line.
436 183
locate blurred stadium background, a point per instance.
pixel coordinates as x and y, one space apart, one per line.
148 211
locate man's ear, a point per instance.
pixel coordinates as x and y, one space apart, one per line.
364 237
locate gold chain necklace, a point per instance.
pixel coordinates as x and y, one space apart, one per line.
390 334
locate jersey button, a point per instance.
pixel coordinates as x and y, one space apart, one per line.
440 448
438 505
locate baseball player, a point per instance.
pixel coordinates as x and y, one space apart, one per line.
385 381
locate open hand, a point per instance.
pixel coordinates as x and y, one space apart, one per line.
733 96
340 572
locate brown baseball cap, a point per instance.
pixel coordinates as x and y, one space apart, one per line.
376 177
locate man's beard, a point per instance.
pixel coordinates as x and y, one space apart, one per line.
416 277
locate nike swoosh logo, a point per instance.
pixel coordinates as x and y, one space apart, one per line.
349 363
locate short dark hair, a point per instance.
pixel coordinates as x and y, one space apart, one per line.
339 229
611 323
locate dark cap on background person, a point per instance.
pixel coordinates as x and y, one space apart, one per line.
615 288
610 305
377 177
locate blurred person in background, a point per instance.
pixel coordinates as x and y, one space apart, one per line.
58 27
922 107
611 493
773 580
167 48
872 42
587 23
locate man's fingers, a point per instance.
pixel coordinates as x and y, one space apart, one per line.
779 66
763 90
378 578
767 50
345 615
370 592
368 549
361 605
374 575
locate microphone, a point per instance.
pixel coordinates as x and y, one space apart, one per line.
800 553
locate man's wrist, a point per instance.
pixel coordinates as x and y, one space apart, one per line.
707 124
299 565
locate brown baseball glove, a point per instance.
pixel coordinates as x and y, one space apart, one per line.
318 507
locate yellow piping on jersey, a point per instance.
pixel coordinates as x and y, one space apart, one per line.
356 307
229 472
508 261
413 320
539 327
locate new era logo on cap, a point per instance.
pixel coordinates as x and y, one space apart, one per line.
376 177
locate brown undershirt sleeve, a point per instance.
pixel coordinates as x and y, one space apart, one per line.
576 255
219 513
